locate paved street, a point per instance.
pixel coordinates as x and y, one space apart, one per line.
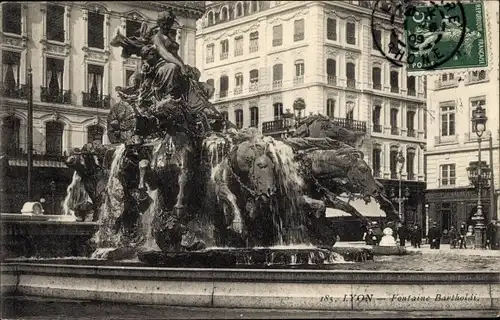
41 308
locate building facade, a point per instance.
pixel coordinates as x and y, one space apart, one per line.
452 142
74 71
262 56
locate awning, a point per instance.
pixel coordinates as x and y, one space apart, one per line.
37 163
371 209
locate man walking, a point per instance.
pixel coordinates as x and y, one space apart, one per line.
417 236
434 236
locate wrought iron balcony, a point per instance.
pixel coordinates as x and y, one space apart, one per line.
238 90
19 91
377 173
355 125
277 84
412 92
395 89
377 128
298 36
254 86
412 176
412 133
238 52
99 101
332 80
63 96
210 59
351 83
223 94
270 127
254 48
277 42
298 80
395 130
223 56
377 86
394 175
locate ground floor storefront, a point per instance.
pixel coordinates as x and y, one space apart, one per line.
451 207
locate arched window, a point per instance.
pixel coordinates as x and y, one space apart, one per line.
253 6
224 15
254 117
278 110
377 78
95 133
11 135
331 71
350 71
410 163
330 108
254 42
411 85
376 161
277 75
239 9
376 112
54 138
224 86
238 115
395 81
210 18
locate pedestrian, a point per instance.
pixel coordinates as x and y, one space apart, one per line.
434 236
417 236
453 237
402 234
462 233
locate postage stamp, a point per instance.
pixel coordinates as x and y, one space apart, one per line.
432 35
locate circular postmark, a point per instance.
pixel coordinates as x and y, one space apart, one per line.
434 32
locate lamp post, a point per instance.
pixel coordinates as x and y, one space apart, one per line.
292 119
400 199
479 125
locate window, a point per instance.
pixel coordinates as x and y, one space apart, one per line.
278 110
393 162
54 138
11 17
253 6
394 81
478 76
95 30
377 39
299 69
11 62
411 85
350 33
376 119
330 108
394 118
224 86
377 78
331 29
224 49
376 163
210 53
410 123
254 80
298 28
447 121
238 82
351 75
410 164
393 43
238 46
95 81
238 115
54 78
132 28
11 135
277 35
447 77
254 117
239 10
128 77
277 75
254 41
225 115
448 177
474 103
349 115
331 71
55 22
210 18
224 15
95 133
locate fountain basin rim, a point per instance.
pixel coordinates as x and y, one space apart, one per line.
249 274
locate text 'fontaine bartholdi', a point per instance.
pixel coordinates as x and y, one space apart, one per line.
437 297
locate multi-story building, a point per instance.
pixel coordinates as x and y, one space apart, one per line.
75 71
452 142
261 56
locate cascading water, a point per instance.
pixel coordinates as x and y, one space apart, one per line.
75 196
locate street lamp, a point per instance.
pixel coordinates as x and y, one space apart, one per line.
400 199
479 175
292 119
479 119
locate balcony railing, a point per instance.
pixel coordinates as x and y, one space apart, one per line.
270 127
99 101
254 48
412 92
377 86
395 89
223 94
210 59
355 125
332 80
238 52
377 173
22 154
412 176
395 130
223 56
298 37
254 86
394 175
277 42
16 92
277 84
351 83
298 80
412 133
63 96
238 90
377 128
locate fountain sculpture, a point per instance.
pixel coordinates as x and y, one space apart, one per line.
181 181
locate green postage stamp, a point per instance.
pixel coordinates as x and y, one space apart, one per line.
446 36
